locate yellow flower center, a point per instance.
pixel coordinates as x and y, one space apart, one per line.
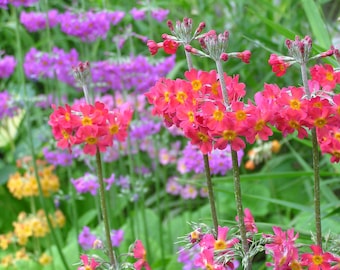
320 122
191 116
294 124
113 129
329 76
259 125
91 140
295 104
65 134
240 115
220 245
203 137
229 135
67 117
218 115
196 85
181 96
86 121
317 259
166 96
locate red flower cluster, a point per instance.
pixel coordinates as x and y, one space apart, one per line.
196 105
293 111
93 125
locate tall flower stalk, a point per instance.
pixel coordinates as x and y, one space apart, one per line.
213 47
299 50
316 165
81 73
182 33
236 175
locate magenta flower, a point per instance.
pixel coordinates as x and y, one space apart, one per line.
137 14
86 238
117 237
88 265
159 14
7 66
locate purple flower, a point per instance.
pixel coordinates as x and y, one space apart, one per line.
115 16
189 192
58 157
220 160
7 66
109 181
3 4
188 257
159 14
87 183
134 73
145 127
89 26
124 182
173 187
7 107
137 14
86 238
111 154
204 192
35 21
39 64
117 237
25 3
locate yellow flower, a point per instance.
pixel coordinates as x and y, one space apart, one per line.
5 240
7 260
45 259
21 254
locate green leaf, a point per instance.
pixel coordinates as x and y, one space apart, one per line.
316 22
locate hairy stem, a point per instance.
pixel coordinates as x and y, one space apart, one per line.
236 174
206 168
239 207
104 209
316 165
210 192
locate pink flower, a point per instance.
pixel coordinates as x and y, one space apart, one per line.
139 252
249 221
318 260
279 66
88 265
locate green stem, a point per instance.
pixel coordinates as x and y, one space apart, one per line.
236 175
316 168
104 209
222 83
207 169
189 59
210 192
159 209
316 165
239 207
73 206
